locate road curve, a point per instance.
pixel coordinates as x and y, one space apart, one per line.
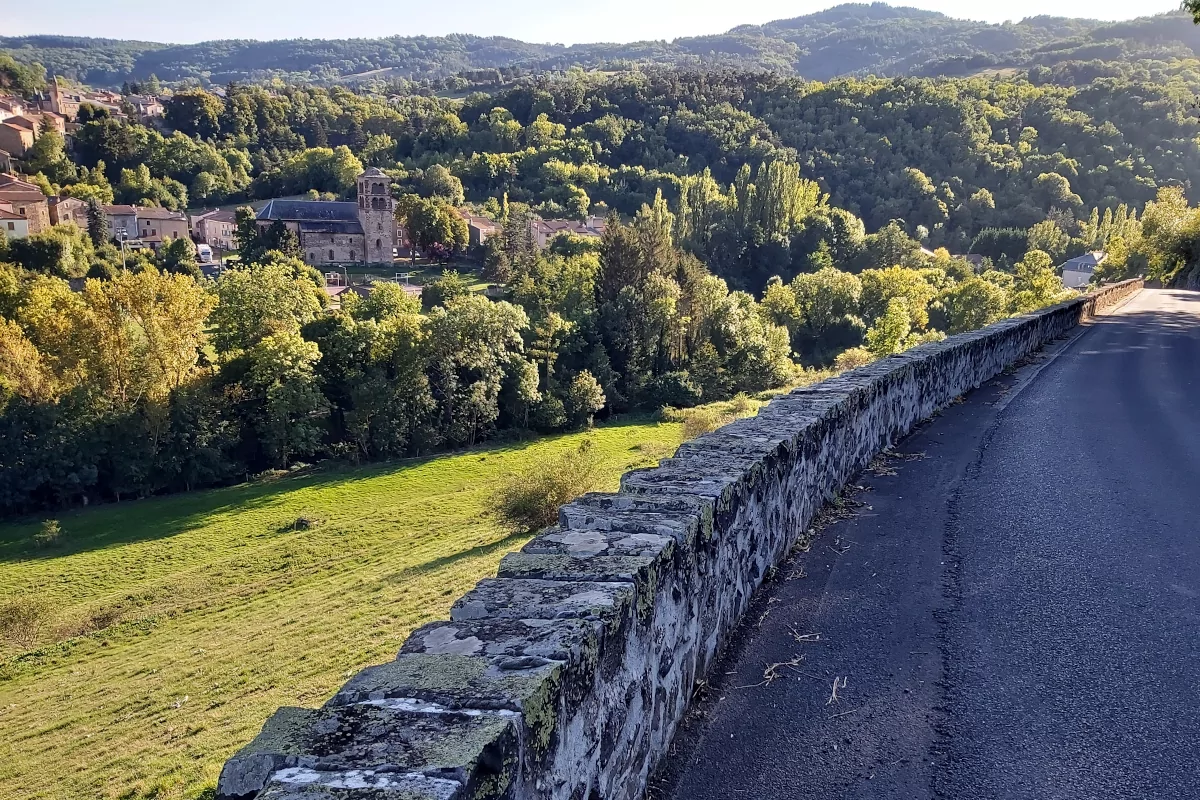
1012 612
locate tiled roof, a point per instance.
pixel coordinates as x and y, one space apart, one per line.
9 215
159 213
309 210
18 194
331 226
120 211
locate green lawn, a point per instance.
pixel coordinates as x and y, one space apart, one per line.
217 612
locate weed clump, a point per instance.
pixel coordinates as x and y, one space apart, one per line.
22 620
49 534
530 500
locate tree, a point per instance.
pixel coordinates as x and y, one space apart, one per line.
440 182
891 329
584 398
974 303
179 256
62 250
433 223
257 301
48 156
288 417
1048 237
446 289
97 223
144 332
194 112
1037 284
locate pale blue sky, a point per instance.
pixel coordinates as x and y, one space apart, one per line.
530 20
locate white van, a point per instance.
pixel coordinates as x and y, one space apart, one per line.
204 254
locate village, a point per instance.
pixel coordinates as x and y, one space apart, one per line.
354 243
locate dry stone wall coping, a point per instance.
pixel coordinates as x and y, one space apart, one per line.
565 676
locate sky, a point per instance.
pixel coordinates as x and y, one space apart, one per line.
529 20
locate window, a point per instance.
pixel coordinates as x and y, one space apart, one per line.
312 256
331 255
12 226
378 244
352 255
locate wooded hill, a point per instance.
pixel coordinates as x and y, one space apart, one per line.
850 39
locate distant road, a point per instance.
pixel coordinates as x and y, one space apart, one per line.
1015 611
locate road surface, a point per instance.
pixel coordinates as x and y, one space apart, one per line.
1013 612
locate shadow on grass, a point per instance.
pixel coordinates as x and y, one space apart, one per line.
408 573
161 517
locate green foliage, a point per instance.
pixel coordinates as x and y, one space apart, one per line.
530 500
259 300
289 405
23 619
179 256
974 303
23 78
62 251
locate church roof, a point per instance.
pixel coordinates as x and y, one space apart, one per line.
331 226
374 172
309 211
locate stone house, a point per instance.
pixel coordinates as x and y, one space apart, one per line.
544 230
11 106
1077 272
215 228
362 232
65 210
479 229
28 202
15 138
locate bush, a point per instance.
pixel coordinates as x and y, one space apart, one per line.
22 620
853 358
671 389
699 420
530 500
49 534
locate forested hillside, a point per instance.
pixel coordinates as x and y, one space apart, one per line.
852 39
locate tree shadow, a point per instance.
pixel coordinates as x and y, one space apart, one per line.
165 516
416 570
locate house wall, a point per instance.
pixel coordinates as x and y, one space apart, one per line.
14 139
69 211
37 212
14 228
346 248
123 222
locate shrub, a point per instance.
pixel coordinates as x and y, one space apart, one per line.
704 419
49 534
530 500
22 619
853 358
699 420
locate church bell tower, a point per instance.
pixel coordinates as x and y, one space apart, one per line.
377 213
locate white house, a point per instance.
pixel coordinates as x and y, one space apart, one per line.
12 224
1077 272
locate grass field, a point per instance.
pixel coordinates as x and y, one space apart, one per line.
214 611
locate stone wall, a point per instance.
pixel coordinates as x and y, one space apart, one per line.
564 677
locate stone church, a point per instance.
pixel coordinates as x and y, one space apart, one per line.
341 233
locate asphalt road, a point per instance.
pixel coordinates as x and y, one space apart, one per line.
1012 612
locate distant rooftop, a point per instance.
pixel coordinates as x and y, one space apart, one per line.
309 211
